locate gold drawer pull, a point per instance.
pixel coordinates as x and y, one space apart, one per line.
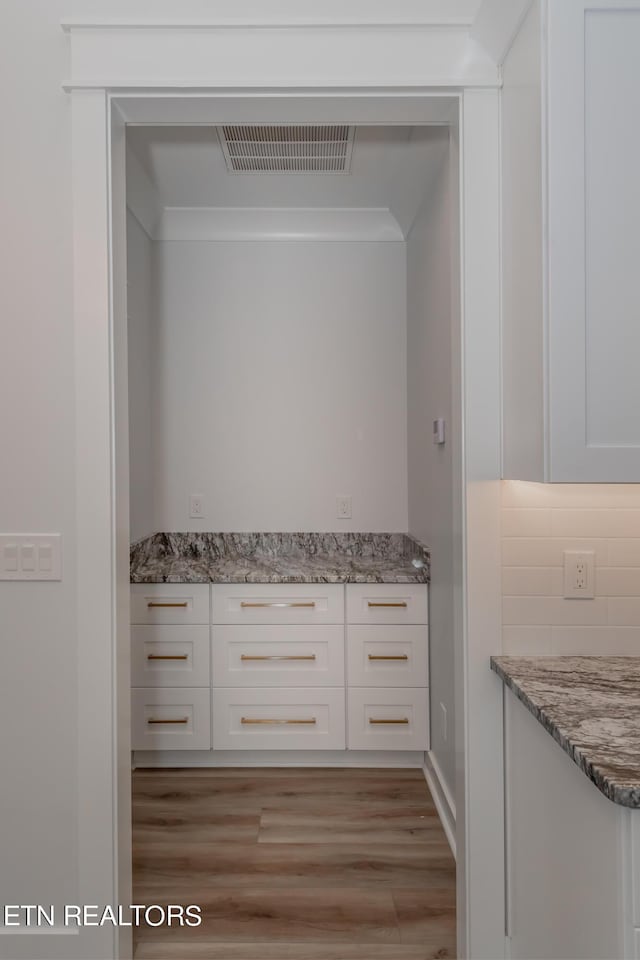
375 656
246 604
249 720
403 720
167 656
157 603
246 656
180 720
373 603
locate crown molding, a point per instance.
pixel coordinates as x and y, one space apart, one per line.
212 224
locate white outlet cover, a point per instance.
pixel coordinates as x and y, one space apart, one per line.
579 574
343 507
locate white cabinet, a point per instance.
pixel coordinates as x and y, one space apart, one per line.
571 205
573 857
276 667
170 672
266 655
387 667
278 718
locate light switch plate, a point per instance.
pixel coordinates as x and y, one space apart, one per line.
30 556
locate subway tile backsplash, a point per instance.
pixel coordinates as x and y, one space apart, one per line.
539 522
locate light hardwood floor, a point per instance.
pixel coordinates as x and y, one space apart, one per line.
303 864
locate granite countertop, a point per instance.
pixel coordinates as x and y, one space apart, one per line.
279 558
591 707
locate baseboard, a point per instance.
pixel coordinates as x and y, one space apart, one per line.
278 758
445 804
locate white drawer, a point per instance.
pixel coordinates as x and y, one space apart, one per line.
388 719
277 603
278 719
283 655
171 603
167 656
387 656
170 718
387 603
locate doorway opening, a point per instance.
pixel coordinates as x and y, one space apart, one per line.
293 321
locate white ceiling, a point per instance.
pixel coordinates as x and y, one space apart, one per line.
392 169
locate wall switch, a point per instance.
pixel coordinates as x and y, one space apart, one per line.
579 574
443 721
196 506
343 508
439 431
30 556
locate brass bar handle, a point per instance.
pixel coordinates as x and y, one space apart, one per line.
373 603
167 656
180 720
403 720
375 656
246 656
157 603
245 604
252 720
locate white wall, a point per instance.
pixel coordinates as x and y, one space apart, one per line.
141 346
539 521
281 383
430 472
38 706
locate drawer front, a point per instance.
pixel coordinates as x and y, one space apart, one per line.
163 656
387 603
311 718
170 718
388 719
283 655
387 656
170 603
277 603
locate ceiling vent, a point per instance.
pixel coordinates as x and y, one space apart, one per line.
287 149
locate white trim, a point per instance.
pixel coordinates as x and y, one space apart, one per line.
442 798
480 901
255 23
356 759
242 57
277 223
497 24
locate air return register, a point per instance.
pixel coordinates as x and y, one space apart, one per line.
287 149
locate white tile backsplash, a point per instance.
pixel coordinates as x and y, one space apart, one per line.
540 522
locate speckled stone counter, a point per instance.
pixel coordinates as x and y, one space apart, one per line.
591 707
279 558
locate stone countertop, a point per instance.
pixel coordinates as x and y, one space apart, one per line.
591 707
279 558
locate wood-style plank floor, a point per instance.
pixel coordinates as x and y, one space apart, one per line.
303 864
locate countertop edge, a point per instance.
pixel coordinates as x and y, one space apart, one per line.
620 795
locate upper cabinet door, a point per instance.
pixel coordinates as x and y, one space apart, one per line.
593 103
572 316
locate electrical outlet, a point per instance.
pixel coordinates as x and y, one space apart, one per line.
443 721
343 508
196 506
579 574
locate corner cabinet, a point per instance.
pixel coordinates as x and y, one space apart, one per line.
571 244
572 856
279 667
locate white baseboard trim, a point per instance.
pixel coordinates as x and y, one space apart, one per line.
278 758
445 804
